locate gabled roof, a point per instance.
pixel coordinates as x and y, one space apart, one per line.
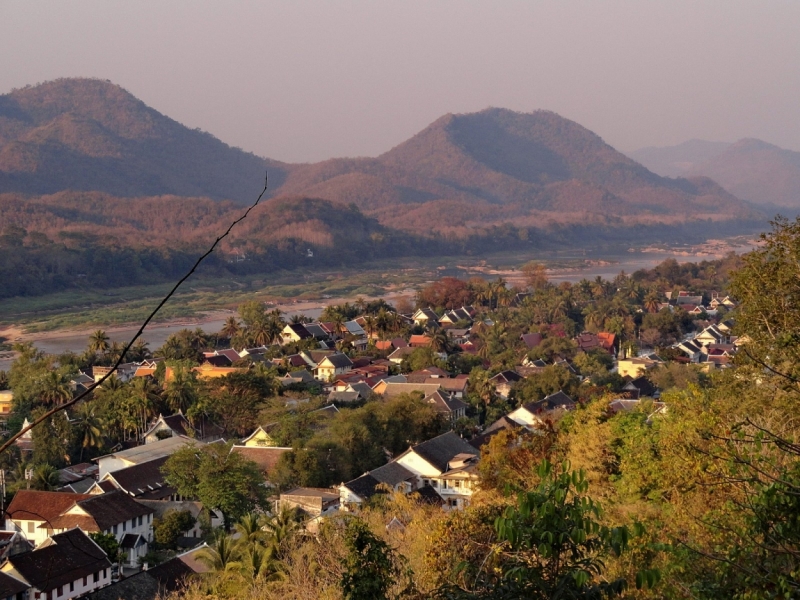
502 424
401 352
642 385
177 423
439 451
392 473
363 487
444 402
299 330
144 481
506 377
531 340
344 397
11 586
104 511
551 402
316 330
33 505
218 361
159 449
451 385
68 557
425 313
266 457
395 389
337 361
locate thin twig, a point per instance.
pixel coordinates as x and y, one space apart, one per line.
149 318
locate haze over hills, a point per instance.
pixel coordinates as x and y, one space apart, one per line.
750 169
86 167
91 135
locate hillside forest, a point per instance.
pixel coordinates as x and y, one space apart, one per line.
695 501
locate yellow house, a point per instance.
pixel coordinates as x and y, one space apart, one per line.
635 367
6 399
259 439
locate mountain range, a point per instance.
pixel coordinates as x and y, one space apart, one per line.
84 165
761 173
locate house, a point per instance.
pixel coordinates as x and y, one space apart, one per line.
144 481
151 584
141 454
299 377
67 565
534 414
399 355
209 371
260 438
419 341
295 332
636 366
504 423
457 386
30 509
424 316
445 463
171 426
531 340
313 502
451 317
711 335
6 402
448 405
38 514
332 365
691 349
390 345
163 507
602 340
503 382
265 457
389 389
12 543
641 387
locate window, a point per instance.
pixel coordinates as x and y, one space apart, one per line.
114 529
60 591
71 586
140 521
31 527
95 577
124 525
104 573
457 484
84 580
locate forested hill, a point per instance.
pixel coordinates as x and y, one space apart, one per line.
91 135
499 165
751 169
461 172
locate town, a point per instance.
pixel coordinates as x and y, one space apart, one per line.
277 424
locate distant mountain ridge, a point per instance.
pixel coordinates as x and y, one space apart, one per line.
751 169
91 135
462 174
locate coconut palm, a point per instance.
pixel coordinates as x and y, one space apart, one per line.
139 351
280 526
651 301
230 328
98 342
180 392
45 478
143 399
250 530
221 555
440 341
54 389
88 427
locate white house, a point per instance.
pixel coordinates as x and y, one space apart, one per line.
533 414
141 454
67 565
333 365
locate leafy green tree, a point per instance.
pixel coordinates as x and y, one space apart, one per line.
219 478
550 544
45 478
51 439
371 567
171 526
108 544
180 392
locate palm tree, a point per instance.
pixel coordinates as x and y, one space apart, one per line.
651 301
180 391
98 342
281 526
55 389
46 478
142 401
249 529
230 328
221 555
440 341
88 428
139 351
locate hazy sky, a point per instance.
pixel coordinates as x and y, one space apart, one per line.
307 80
